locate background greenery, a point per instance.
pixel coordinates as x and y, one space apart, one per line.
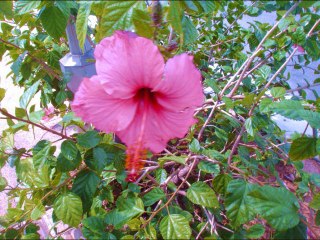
227 179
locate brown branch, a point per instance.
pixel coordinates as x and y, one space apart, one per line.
35 124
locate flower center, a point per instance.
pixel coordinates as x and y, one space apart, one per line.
136 154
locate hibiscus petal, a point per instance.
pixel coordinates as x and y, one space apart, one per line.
93 104
181 87
161 125
128 62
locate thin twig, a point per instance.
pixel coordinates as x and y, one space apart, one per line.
35 124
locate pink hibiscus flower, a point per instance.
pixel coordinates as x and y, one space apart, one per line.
138 97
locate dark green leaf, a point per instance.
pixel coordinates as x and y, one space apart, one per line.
175 226
201 194
277 205
96 159
93 227
153 196
297 232
61 97
255 232
68 208
85 185
238 205
89 139
54 21
221 182
303 148
69 150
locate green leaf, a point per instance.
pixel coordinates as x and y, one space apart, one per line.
288 108
61 97
117 218
2 93
175 226
255 232
175 16
28 94
142 23
249 126
294 110
31 236
3 183
69 157
96 159
303 148
153 196
177 210
93 227
85 185
277 205
313 118
194 146
278 92
201 194
54 21
82 21
161 175
315 203
264 105
31 176
22 7
190 32
117 15
68 208
6 9
42 153
238 205
177 159
297 232
69 150
221 182
209 167
38 211
89 139
317 219
16 66
208 6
